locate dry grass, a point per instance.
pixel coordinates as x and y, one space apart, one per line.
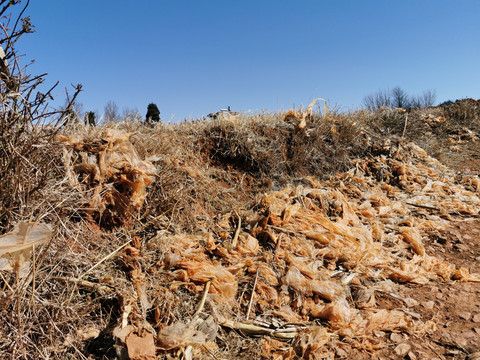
210 175
207 171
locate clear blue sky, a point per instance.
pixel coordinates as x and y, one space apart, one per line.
195 57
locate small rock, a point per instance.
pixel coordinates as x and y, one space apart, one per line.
477 258
439 295
476 318
465 315
477 330
429 305
397 338
411 356
402 349
467 237
379 333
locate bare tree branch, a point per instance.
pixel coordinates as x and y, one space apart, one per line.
23 109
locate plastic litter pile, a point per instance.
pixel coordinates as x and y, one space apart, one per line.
109 172
319 254
309 259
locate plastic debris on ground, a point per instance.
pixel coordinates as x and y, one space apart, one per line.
17 245
318 253
110 173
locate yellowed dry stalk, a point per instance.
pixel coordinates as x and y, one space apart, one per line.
237 232
204 297
253 293
105 258
255 330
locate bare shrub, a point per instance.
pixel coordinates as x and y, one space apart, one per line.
398 98
27 122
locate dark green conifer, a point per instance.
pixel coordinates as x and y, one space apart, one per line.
90 118
153 114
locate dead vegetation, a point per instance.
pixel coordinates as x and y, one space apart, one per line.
196 239
273 235
24 112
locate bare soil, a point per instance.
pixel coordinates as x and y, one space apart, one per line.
454 307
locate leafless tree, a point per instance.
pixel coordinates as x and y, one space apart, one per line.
111 111
399 98
428 98
130 113
377 100
23 111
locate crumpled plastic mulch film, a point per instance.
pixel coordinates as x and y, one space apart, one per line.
322 251
17 245
109 171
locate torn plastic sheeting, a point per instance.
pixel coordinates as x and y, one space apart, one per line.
180 335
188 255
312 340
275 349
354 223
112 168
412 236
248 245
339 313
387 321
16 246
223 283
328 290
267 273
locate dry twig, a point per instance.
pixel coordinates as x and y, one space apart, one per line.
251 296
237 232
103 290
105 258
204 297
